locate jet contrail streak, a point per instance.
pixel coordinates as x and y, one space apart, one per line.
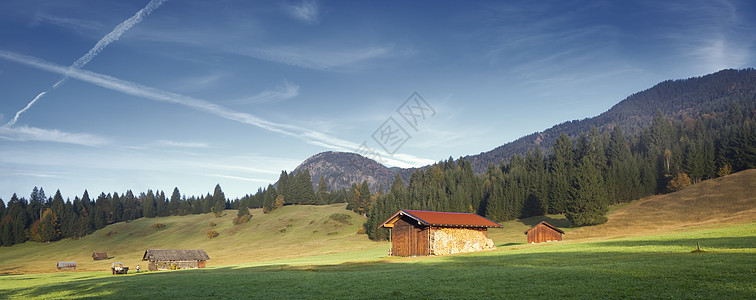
135 89
101 44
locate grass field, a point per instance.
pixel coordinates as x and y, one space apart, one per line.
644 251
649 267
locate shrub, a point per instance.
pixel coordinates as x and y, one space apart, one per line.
341 217
361 230
283 230
158 225
211 233
212 224
332 233
241 220
110 233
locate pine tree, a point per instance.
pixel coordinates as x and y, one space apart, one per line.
322 194
148 204
587 204
219 200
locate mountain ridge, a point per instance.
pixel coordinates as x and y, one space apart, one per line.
676 99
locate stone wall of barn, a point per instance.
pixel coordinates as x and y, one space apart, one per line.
459 240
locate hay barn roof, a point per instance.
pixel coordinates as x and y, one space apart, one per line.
175 254
547 225
444 219
100 254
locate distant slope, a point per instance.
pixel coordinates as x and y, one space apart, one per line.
725 200
289 232
675 98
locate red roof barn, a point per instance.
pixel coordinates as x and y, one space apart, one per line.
418 233
544 232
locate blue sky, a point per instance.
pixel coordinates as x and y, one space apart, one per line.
160 94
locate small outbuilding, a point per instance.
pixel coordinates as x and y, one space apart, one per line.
99 255
544 232
175 259
66 265
420 233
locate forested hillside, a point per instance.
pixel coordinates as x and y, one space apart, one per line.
676 99
582 178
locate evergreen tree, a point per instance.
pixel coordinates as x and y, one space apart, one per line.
219 200
175 201
587 204
322 194
148 205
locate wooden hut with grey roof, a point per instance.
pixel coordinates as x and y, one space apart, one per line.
175 259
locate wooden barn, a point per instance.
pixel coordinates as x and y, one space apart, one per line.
419 233
175 259
66 265
99 255
544 232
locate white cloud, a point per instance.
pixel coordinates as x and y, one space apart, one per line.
134 89
282 92
25 133
237 178
318 59
306 11
182 144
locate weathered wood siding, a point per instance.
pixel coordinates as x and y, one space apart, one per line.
542 233
409 239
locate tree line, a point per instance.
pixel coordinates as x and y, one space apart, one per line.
44 219
582 177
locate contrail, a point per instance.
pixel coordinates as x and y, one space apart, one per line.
130 88
101 44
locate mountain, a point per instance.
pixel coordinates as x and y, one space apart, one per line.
341 169
677 99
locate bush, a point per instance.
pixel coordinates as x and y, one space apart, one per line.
241 220
212 224
361 230
158 225
341 217
211 233
110 233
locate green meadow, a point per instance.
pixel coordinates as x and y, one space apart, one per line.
662 266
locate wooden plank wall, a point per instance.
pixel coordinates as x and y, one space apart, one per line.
409 239
543 233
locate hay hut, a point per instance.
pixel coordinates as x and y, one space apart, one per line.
419 233
99 255
66 265
174 259
544 232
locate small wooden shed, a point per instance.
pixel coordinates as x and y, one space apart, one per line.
66 265
544 232
174 259
99 255
419 233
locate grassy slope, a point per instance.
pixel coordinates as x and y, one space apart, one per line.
647 254
309 231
